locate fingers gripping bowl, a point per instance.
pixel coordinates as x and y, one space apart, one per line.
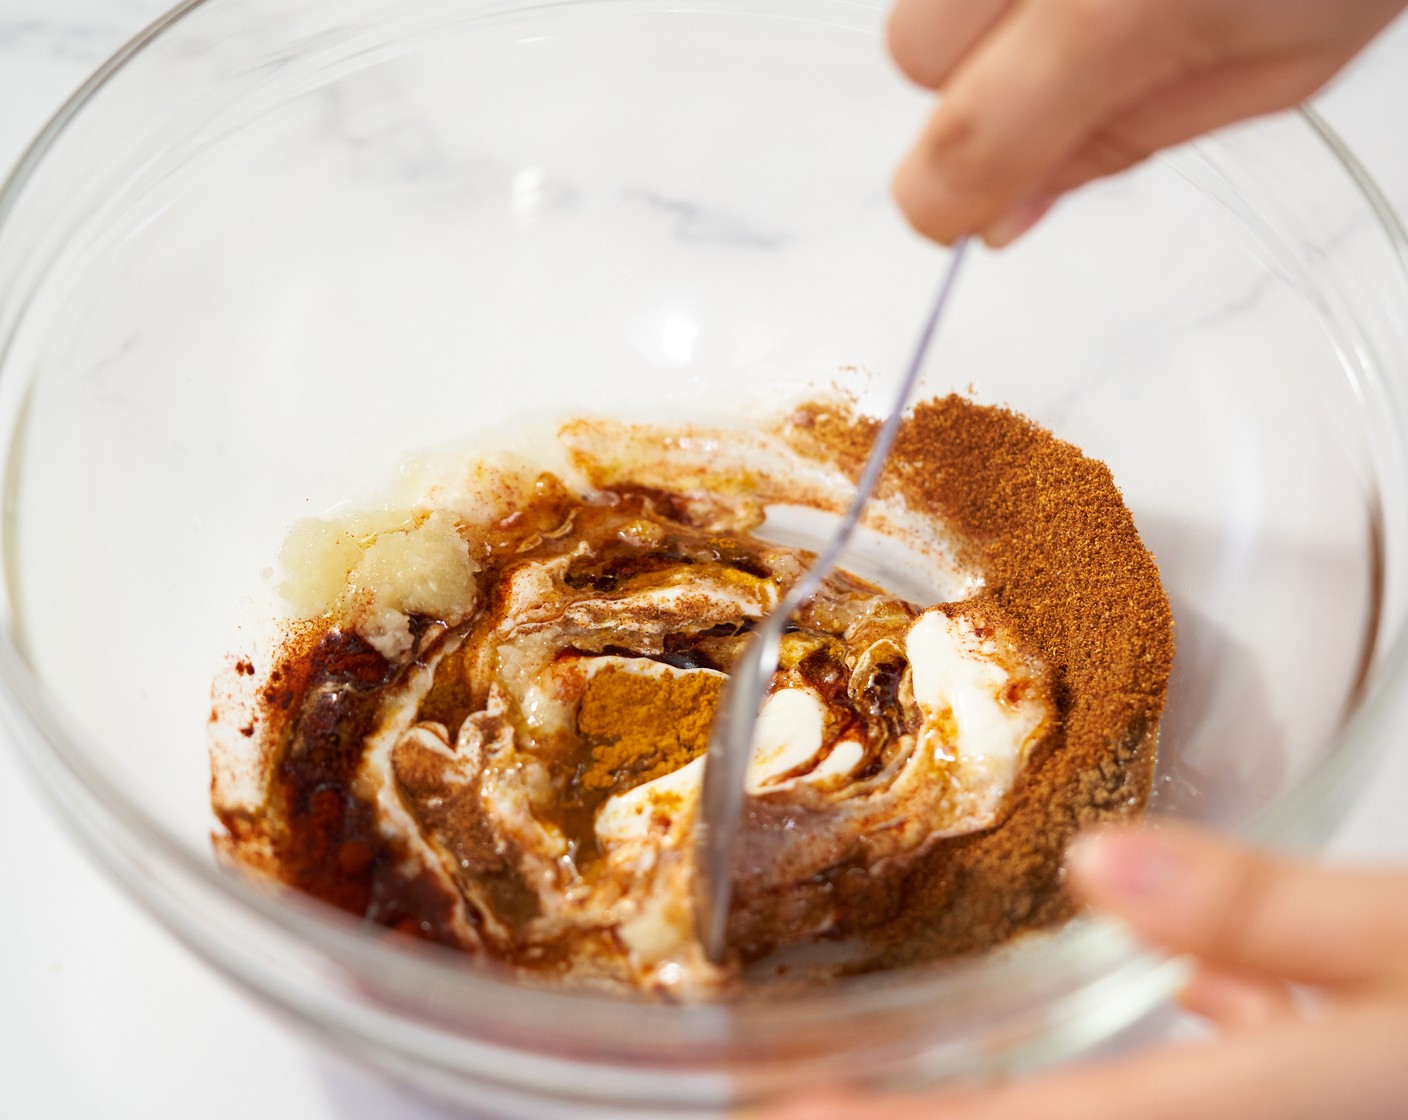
276 247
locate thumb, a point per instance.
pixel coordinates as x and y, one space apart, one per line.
1191 892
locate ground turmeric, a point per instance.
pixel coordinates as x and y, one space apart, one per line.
641 725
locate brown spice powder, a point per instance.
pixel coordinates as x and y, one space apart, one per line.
1062 558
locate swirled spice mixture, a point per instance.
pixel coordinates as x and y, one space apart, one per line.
488 729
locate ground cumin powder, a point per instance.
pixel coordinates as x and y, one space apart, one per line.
642 727
1060 556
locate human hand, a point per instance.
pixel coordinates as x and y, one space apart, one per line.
1041 96
1254 924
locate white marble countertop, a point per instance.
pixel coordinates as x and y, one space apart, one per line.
104 1013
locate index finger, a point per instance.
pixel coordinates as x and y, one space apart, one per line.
1023 102
1347 1064
1188 891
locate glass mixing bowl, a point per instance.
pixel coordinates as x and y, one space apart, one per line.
277 245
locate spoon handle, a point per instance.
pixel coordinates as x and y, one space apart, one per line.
731 739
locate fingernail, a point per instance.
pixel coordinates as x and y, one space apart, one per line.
1018 220
1132 863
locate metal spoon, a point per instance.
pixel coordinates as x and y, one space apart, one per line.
731 740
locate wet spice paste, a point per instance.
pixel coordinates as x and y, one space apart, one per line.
488 729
